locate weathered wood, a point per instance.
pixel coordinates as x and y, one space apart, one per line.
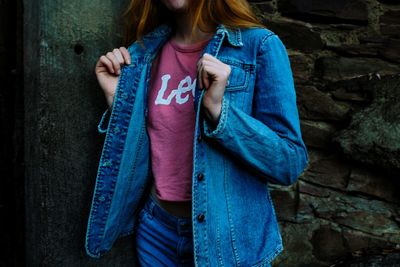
63 103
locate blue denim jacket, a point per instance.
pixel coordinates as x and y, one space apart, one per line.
257 141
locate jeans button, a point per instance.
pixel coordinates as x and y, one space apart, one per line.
200 217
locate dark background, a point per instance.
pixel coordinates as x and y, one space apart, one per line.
345 56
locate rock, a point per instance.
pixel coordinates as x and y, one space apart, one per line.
263 8
342 68
372 217
339 11
302 67
356 240
382 259
390 2
327 170
390 17
374 183
390 23
366 49
297 246
391 30
316 105
317 133
391 49
373 136
314 190
296 35
374 46
287 208
328 251
341 94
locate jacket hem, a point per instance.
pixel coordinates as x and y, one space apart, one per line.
267 260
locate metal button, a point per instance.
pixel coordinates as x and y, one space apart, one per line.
201 217
200 176
199 139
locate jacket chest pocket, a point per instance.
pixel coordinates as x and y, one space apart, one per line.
240 82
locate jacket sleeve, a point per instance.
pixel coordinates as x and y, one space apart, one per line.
268 141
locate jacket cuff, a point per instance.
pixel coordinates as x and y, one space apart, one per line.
209 131
104 121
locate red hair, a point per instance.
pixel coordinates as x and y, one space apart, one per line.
142 16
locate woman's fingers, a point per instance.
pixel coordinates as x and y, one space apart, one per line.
126 55
212 70
115 62
210 74
106 62
118 56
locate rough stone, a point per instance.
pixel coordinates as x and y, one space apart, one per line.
372 46
314 190
263 8
374 183
296 35
390 17
287 208
366 49
390 23
382 259
391 49
356 240
343 68
328 170
316 105
348 11
341 94
373 217
373 134
328 251
302 67
390 2
317 134
296 240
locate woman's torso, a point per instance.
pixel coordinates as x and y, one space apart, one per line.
171 124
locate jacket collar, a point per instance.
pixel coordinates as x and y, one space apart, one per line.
233 35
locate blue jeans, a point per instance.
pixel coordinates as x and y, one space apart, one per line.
163 239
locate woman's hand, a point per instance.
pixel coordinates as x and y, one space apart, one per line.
212 76
108 69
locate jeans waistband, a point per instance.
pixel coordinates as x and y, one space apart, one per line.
182 225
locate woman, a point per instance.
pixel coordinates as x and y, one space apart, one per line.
202 116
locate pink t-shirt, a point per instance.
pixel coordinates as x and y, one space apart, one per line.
171 119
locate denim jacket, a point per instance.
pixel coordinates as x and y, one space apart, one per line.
256 141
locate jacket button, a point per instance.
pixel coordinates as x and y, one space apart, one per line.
200 176
200 217
199 139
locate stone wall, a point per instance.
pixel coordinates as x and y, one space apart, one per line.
345 56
